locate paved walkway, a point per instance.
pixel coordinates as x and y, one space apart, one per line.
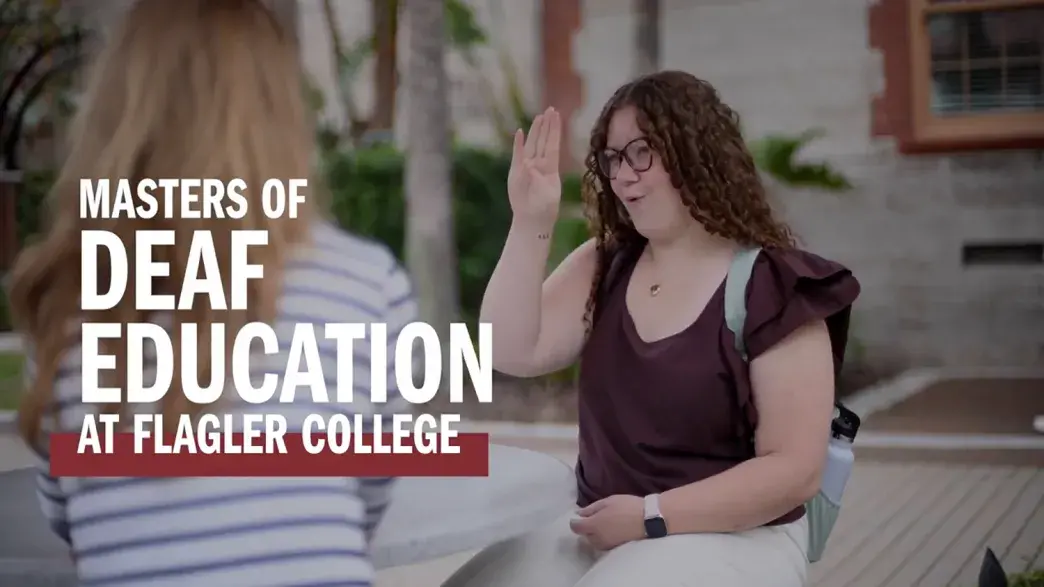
10 342
981 406
919 524
13 454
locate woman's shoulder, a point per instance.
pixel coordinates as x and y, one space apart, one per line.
793 267
330 239
348 272
792 287
342 252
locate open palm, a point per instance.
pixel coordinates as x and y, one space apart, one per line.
534 184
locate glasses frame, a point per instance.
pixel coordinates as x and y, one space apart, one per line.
623 154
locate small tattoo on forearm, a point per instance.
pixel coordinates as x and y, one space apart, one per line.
544 236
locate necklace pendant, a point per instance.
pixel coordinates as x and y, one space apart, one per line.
654 290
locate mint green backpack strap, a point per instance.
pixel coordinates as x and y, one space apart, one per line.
736 295
821 513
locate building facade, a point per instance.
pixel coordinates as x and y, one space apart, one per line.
945 226
936 117
934 111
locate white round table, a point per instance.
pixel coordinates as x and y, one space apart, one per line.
428 518
435 517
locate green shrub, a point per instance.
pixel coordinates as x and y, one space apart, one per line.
5 310
30 205
1027 579
28 217
368 198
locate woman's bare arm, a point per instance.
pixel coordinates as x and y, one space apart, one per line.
538 324
794 394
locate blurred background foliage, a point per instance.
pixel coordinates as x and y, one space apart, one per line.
364 169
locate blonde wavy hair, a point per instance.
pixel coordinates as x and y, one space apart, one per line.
185 89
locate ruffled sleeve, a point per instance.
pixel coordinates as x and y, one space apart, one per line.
791 288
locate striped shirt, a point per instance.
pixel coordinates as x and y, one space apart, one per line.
277 532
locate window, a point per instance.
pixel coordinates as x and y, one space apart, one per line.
978 68
967 73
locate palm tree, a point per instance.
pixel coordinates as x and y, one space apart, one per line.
385 15
647 36
39 50
430 245
776 155
287 14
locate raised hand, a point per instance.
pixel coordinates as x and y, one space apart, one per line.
534 184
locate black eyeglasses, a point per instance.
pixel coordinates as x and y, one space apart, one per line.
637 153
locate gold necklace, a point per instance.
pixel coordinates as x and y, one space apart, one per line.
654 289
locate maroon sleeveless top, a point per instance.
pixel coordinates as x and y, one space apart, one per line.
656 416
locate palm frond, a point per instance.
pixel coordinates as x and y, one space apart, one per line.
776 155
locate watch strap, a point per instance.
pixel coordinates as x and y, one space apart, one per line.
652 506
655 525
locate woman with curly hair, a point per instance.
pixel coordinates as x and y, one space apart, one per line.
695 461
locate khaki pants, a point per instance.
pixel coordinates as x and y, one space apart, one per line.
555 557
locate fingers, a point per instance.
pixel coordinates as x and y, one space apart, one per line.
543 133
580 526
531 140
544 140
518 146
592 509
554 138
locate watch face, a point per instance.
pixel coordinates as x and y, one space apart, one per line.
655 528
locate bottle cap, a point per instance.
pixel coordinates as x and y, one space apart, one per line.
845 423
843 429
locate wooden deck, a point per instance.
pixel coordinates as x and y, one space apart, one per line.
922 523
928 525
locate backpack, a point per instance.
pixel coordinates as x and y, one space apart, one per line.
821 511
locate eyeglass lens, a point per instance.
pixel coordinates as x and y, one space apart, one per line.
637 153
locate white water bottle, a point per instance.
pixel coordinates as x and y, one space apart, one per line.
840 457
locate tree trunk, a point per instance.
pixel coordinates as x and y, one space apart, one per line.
386 74
647 36
431 255
286 12
353 123
10 188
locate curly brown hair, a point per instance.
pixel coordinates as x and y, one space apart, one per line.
698 139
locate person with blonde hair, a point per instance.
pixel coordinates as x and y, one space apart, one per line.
203 89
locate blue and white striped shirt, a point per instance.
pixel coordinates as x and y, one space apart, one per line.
278 532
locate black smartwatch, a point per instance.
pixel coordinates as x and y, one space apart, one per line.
655 525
